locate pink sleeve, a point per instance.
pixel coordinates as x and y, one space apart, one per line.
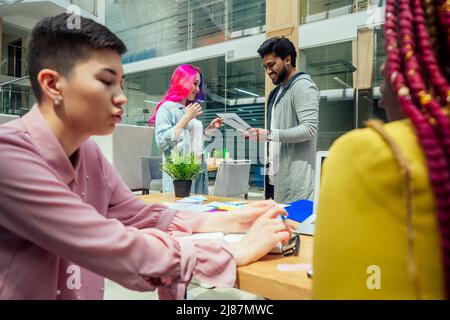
127 207
38 207
214 265
132 211
185 222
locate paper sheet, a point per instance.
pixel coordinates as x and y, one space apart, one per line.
233 120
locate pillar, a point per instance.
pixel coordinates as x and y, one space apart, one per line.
282 19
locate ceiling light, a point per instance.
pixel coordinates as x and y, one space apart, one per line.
345 84
247 92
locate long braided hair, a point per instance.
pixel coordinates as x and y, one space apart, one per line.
419 76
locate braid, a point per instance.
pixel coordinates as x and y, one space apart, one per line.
406 172
438 82
405 74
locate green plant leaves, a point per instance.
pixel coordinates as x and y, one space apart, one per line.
182 166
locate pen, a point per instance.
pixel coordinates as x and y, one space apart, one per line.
283 218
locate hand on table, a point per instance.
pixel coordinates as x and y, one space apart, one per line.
263 235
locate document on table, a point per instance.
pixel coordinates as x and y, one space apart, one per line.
189 207
233 120
229 238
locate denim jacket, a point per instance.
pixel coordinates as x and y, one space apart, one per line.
169 114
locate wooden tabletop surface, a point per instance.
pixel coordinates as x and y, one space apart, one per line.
265 277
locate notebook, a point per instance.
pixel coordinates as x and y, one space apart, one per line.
299 210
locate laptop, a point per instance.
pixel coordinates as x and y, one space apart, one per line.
308 226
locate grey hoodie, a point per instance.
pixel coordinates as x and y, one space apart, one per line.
296 122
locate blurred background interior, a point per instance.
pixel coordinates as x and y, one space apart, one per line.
341 45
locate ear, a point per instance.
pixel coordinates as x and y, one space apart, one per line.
50 82
288 60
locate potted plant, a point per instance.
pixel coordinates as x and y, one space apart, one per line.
182 168
218 157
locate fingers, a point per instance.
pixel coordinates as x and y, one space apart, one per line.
292 226
195 107
216 123
264 203
280 225
274 212
193 104
255 212
283 236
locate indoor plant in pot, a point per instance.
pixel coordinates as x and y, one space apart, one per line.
182 168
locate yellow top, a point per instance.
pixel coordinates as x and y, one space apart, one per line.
361 240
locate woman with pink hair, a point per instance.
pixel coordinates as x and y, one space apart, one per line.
176 125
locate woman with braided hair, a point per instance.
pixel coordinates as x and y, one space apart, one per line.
383 228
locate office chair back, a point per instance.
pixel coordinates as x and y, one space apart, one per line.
151 173
232 178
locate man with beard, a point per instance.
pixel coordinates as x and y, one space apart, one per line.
292 120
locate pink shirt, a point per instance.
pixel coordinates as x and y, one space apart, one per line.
64 227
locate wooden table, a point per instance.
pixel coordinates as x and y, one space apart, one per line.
263 277
213 168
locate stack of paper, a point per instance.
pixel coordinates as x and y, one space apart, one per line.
193 200
225 206
189 207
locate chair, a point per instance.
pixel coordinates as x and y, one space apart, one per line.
124 149
7 117
233 178
151 174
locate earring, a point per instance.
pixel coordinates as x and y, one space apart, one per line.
57 102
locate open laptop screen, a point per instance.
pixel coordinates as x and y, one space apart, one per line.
308 226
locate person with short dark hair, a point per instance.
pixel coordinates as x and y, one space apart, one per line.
292 122
66 217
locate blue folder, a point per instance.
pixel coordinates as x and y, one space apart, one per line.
299 210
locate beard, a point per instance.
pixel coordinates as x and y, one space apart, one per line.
282 75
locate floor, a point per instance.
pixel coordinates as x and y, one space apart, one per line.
114 291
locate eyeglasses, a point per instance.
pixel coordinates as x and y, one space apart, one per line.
270 65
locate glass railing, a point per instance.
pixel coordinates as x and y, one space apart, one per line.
16 97
86 5
316 10
178 25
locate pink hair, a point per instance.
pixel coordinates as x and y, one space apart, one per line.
181 83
